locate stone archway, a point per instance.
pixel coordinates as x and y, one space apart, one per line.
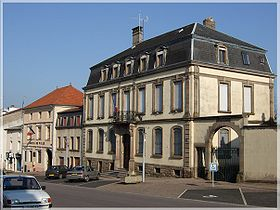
209 142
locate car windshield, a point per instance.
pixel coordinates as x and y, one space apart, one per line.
78 168
20 183
54 168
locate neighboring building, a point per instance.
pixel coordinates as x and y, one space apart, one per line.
189 93
69 137
39 133
12 139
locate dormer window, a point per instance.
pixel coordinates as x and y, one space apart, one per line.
222 55
161 58
128 67
104 75
115 71
246 59
262 61
144 60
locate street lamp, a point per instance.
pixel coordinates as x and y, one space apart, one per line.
144 157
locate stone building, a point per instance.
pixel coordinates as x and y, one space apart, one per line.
39 121
189 96
69 137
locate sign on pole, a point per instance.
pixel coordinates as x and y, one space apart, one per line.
213 168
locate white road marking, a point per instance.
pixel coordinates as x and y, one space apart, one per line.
243 197
209 196
182 193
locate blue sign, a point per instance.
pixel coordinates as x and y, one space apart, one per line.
213 167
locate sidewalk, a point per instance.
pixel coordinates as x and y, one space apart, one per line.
174 187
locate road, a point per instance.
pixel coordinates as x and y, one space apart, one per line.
88 195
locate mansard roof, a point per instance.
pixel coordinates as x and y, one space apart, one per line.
191 43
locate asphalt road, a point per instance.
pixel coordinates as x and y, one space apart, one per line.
88 195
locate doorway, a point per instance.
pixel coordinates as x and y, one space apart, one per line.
201 162
49 154
126 154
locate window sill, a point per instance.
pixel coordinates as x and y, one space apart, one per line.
156 156
100 118
248 113
89 151
111 153
99 152
157 113
60 149
175 157
226 112
138 155
175 111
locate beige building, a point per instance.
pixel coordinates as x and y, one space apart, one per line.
39 133
69 137
182 100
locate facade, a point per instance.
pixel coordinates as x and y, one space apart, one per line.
181 99
39 133
69 137
12 140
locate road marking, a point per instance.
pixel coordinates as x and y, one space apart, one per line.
182 193
243 197
209 196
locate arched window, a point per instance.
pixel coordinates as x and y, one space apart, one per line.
100 140
177 141
89 141
141 133
112 141
157 141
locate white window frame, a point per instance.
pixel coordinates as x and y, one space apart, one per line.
224 100
250 103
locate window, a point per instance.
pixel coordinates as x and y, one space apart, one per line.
104 75
48 132
90 141
39 156
143 63
224 147
247 99
49 114
100 140
113 104
141 133
101 107
25 156
160 58
59 143
30 156
222 55
65 143
90 107
77 143
31 116
116 71
177 141
112 141
128 68
224 97
72 121
262 60
72 143
40 115
39 129
158 141
64 121
177 100
126 105
78 120
141 100
18 146
245 57
158 98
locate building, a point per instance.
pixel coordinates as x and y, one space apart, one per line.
69 137
39 133
12 139
182 100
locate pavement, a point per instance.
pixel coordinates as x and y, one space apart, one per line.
245 194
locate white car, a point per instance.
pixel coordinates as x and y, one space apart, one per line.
21 191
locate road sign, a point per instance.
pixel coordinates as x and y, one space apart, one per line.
213 167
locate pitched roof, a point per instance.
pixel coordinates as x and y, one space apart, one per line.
180 48
67 95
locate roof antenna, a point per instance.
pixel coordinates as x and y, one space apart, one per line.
142 20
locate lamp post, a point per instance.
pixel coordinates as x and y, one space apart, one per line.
144 156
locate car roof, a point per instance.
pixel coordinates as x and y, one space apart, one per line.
15 176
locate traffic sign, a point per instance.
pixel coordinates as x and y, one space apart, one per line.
213 167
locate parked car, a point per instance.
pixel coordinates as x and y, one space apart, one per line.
84 173
21 191
56 171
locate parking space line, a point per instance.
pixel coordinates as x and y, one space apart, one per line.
182 193
243 197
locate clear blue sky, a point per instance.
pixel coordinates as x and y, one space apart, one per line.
48 45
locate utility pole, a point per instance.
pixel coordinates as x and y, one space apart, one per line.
144 156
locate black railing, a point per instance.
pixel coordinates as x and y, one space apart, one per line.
125 116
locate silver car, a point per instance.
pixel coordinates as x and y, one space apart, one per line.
21 191
84 173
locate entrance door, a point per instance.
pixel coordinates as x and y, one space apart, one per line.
201 162
49 154
126 155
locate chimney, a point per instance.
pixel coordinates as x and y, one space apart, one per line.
137 35
210 23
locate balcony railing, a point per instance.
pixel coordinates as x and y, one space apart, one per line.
125 116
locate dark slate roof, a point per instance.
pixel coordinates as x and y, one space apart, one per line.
178 43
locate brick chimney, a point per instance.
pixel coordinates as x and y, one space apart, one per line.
210 23
137 35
